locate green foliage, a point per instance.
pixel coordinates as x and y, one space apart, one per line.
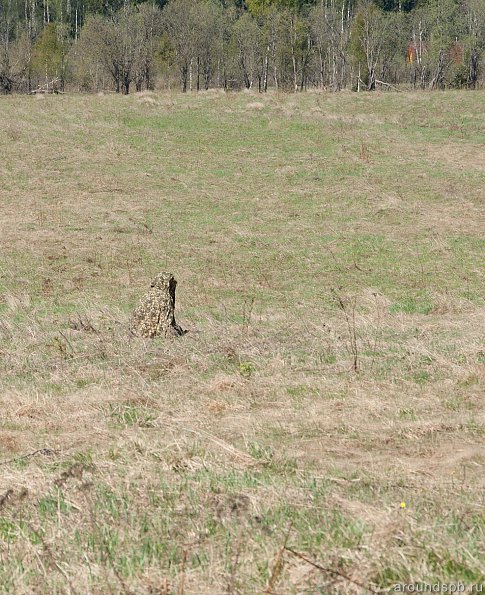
262 7
126 415
412 305
51 505
356 46
246 369
8 530
49 52
396 5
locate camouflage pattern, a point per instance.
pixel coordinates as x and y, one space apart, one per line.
155 313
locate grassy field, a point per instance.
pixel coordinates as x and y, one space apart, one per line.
320 428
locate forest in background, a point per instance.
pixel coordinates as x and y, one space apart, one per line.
291 45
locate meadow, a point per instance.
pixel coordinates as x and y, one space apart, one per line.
320 428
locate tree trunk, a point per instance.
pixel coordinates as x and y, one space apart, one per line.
265 69
147 76
207 76
183 77
126 85
247 80
371 84
322 68
275 67
293 63
473 70
437 80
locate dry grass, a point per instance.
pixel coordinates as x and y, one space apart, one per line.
329 251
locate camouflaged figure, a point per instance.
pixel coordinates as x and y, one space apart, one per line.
155 313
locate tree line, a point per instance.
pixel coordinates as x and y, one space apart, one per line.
123 45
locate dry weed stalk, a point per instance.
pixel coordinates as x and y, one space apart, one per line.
348 308
375 343
106 555
165 588
364 152
51 557
278 565
232 579
182 573
247 314
338 573
41 451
